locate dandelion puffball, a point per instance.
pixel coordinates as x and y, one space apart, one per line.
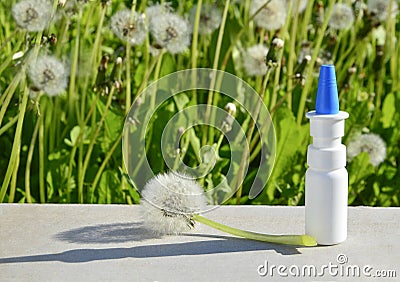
134 32
254 60
272 16
48 74
168 29
370 143
32 15
169 201
342 17
380 9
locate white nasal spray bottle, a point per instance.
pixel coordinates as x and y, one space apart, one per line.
326 189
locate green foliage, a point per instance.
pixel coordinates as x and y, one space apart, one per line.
68 148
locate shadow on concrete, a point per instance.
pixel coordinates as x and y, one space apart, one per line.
208 247
134 231
107 233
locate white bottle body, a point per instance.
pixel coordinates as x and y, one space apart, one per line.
326 205
326 187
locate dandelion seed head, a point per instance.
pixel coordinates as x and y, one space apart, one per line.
171 32
132 31
342 17
380 9
272 16
158 9
302 5
254 60
210 18
170 199
48 74
32 15
370 143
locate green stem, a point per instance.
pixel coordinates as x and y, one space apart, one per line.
291 58
29 161
297 240
195 40
240 175
103 165
318 42
91 146
215 66
71 92
8 94
8 125
42 191
16 145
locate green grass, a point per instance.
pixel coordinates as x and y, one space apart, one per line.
67 149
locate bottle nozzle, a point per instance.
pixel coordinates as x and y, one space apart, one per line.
327 96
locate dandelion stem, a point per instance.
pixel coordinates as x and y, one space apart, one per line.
103 165
318 42
292 54
91 145
29 161
16 144
297 240
213 77
240 175
41 156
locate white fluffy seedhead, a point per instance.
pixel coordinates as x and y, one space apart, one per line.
32 15
370 143
134 32
380 9
169 30
169 201
272 16
254 60
342 17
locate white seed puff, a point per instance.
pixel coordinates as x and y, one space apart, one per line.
342 17
272 16
134 32
169 201
32 15
48 74
254 60
370 143
169 30
380 9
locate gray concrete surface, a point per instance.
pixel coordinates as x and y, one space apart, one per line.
108 243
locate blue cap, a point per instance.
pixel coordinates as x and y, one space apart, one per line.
327 96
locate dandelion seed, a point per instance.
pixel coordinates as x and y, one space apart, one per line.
254 60
170 201
370 143
272 16
210 18
132 31
342 17
379 9
48 74
170 31
32 15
